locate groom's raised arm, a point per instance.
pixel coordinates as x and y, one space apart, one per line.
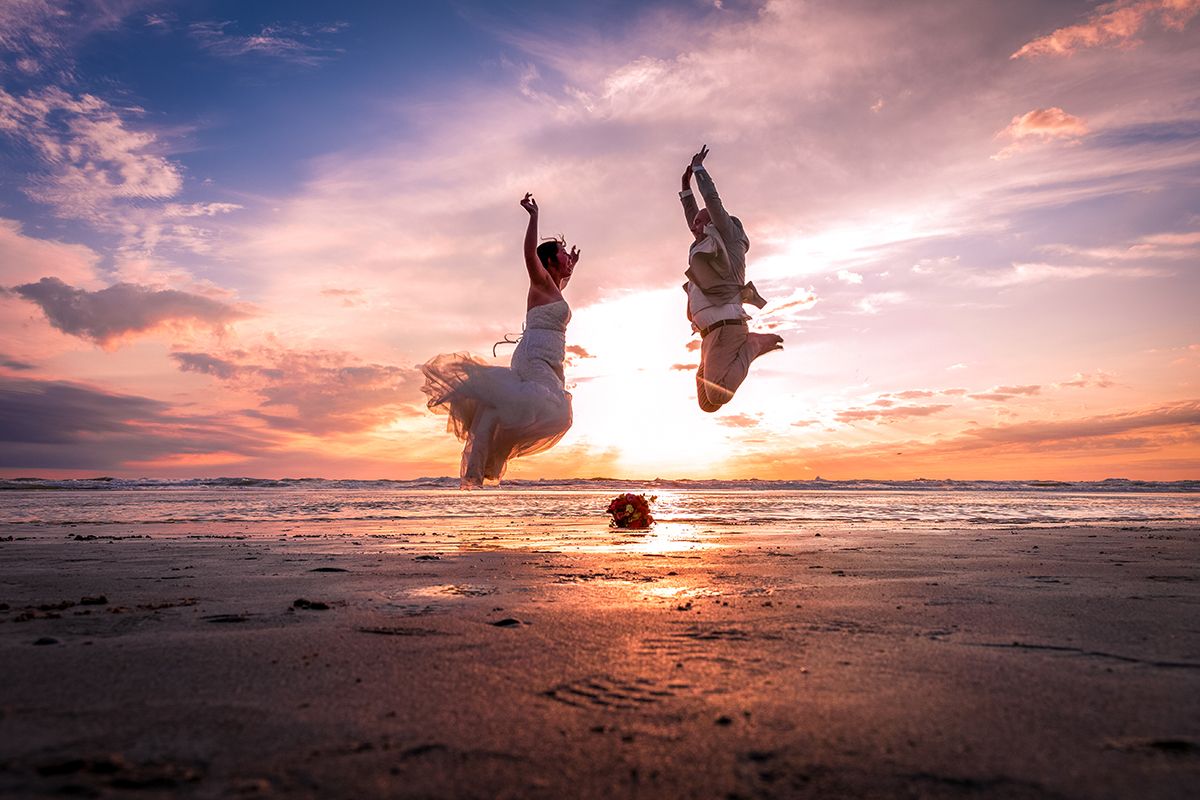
690 209
716 209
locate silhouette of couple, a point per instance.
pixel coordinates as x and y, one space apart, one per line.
501 413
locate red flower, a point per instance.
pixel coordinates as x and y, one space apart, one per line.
631 511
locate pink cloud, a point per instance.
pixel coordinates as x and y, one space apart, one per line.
1114 24
1029 273
25 258
316 392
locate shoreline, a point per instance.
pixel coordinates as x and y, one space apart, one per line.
845 661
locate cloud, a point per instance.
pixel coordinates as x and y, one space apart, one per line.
313 392
890 414
848 276
1040 125
122 309
739 420
90 160
1153 441
1114 24
206 364
59 424
199 209
1023 274
26 28
54 412
25 258
1167 246
1041 433
37 37
874 303
1005 393
575 353
93 160
789 311
1099 380
303 45
14 364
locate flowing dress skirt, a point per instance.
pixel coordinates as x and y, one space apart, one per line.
501 413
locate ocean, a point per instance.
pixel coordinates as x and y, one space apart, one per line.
314 501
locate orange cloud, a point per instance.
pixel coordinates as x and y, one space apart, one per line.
889 414
1112 24
1046 123
1159 443
1005 393
1040 125
739 420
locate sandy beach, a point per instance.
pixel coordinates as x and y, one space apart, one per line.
574 661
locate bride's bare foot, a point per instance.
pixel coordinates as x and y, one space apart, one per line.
764 343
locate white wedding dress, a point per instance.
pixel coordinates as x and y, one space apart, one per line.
505 412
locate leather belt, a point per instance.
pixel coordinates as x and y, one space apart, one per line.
720 324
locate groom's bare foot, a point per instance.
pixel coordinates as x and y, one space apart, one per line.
764 343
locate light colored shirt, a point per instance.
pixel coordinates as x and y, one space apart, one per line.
704 312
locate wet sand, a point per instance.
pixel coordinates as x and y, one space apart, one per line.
569 661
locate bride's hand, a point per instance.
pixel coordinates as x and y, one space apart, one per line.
574 255
698 159
529 204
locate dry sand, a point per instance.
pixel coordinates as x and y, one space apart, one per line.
574 662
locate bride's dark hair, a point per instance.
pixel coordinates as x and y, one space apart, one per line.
547 250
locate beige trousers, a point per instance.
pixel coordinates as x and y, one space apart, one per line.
724 362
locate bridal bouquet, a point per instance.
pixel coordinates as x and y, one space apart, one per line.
631 511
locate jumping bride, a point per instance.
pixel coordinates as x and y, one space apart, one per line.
501 413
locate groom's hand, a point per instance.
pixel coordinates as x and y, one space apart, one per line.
698 159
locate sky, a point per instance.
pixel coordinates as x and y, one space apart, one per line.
230 232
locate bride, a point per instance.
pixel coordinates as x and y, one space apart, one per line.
505 412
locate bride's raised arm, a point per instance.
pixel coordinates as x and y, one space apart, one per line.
537 273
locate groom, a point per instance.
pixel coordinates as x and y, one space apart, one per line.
716 290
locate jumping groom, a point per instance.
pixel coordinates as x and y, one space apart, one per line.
717 289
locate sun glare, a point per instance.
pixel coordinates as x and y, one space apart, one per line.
636 393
